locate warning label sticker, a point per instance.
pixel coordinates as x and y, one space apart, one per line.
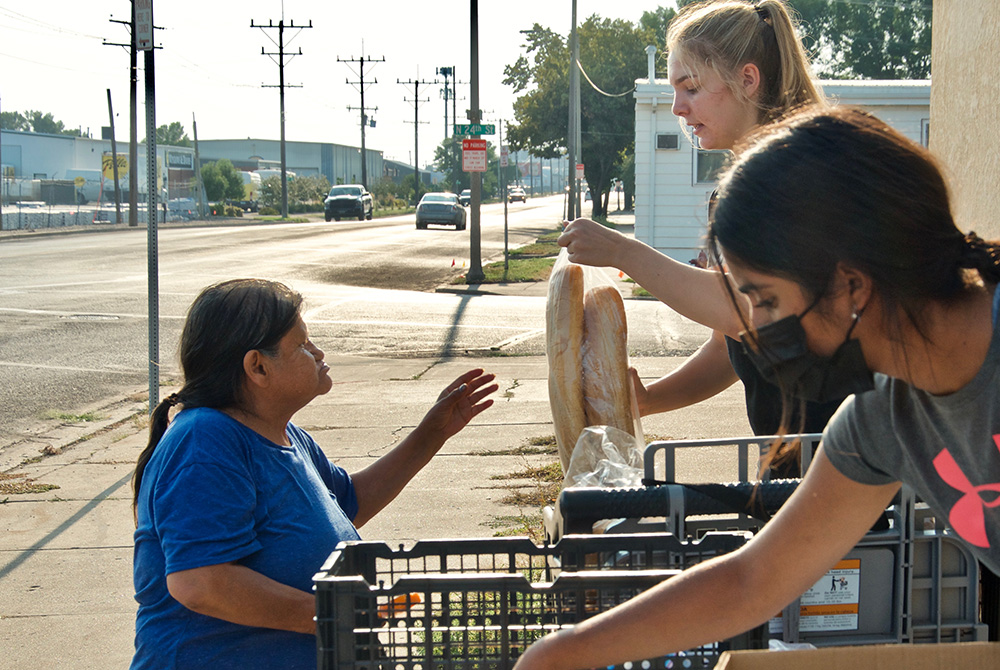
832 602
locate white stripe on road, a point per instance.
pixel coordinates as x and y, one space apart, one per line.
66 368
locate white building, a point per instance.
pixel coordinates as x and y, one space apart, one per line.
340 164
674 179
33 161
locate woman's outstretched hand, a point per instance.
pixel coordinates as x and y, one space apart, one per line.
460 402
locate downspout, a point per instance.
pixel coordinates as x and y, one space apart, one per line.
651 206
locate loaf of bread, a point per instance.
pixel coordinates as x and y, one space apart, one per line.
606 387
564 349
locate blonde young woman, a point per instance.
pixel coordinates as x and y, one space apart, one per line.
734 66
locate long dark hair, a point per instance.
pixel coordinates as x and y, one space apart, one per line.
225 321
829 186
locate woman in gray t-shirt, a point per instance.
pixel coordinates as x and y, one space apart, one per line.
838 231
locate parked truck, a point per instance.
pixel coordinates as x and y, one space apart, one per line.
251 192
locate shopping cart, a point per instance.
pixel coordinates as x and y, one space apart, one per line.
478 604
911 580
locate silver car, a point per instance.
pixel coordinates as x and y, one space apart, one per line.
444 208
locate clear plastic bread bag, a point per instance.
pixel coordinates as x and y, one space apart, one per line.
587 349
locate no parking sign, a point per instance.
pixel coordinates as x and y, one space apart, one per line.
474 155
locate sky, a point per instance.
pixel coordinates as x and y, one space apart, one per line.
52 59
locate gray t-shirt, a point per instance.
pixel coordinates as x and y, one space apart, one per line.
946 448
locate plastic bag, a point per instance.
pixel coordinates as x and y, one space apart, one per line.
586 344
607 457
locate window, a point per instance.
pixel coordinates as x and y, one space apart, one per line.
708 165
668 141
925 132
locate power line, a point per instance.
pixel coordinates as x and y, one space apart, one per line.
280 62
415 101
360 86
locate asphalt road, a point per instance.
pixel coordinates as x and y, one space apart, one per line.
73 307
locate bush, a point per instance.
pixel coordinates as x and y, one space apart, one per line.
305 207
269 211
222 209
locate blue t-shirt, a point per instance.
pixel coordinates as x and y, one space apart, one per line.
213 492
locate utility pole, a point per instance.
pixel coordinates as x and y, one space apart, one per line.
280 62
502 174
360 86
475 274
114 162
572 137
199 184
3 178
133 133
416 84
446 72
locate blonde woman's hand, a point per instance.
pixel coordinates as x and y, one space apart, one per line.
590 243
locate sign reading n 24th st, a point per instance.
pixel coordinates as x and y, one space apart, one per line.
466 129
473 155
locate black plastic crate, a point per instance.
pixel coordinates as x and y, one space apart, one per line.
478 604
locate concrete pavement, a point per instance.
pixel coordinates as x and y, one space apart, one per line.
66 541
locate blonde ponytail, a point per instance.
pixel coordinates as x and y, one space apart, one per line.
724 35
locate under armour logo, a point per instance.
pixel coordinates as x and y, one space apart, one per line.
968 515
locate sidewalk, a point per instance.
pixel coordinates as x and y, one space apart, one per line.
66 553
66 549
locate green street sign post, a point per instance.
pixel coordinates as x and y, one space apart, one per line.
467 129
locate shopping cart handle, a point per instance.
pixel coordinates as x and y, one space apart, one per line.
579 508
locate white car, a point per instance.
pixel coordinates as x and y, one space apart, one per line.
517 193
440 208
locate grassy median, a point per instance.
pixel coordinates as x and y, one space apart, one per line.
532 262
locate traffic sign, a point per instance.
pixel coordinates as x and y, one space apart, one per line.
579 171
474 155
504 154
466 129
143 25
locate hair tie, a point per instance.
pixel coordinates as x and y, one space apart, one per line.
172 400
974 250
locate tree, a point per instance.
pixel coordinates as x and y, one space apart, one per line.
14 121
872 40
311 188
612 56
448 160
37 122
270 191
172 135
222 181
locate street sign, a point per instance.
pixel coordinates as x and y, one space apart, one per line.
466 129
579 170
473 155
504 154
143 25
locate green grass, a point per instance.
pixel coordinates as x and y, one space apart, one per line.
518 270
638 291
383 212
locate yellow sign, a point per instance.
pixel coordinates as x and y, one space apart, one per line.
108 168
79 182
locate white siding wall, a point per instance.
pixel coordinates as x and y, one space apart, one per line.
671 208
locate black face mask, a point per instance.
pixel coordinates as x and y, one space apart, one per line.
780 353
